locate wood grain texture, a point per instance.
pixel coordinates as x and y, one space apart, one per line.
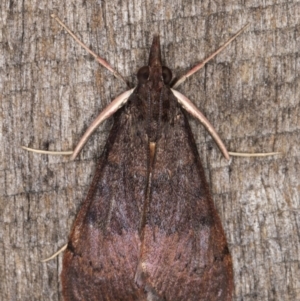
50 90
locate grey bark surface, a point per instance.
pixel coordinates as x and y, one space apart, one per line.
51 89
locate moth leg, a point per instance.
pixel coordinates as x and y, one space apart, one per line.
199 66
101 61
108 111
67 153
116 104
56 253
237 154
54 153
194 111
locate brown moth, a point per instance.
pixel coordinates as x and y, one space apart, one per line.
148 228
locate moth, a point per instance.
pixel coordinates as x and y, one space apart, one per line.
148 228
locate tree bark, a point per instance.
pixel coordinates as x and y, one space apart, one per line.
51 89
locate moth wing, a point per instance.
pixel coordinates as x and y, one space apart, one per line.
184 254
102 255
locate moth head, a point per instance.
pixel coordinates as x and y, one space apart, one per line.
166 74
155 55
143 74
154 71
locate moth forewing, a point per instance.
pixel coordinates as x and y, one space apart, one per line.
148 227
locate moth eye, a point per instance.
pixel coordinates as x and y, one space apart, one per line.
167 74
143 74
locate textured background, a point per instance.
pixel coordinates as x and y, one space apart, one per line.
51 89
